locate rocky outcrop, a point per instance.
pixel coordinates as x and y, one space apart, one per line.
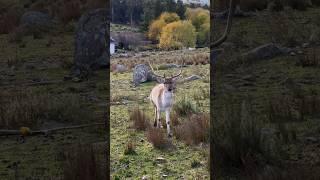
91 47
142 73
266 51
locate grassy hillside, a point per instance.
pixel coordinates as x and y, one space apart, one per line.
274 98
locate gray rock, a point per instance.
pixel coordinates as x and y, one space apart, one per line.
305 45
293 54
169 66
120 68
90 40
191 78
142 73
312 139
266 51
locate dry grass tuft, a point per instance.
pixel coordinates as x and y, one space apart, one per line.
157 137
288 108
194 130
130 148
82 164
28 108
310 59
139 118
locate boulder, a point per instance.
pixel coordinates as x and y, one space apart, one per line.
91 48
266 51
142 73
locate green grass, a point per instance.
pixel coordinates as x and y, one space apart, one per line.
42 157
179 159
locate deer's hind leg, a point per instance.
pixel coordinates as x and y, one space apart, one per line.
155 116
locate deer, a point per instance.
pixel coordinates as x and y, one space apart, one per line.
162 97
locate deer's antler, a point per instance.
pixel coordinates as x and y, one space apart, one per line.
164 76
228 28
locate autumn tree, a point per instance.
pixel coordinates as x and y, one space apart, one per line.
198 16
200 19
177 35
203 35
156 26
155 29
169 17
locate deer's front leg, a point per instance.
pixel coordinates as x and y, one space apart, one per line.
168 122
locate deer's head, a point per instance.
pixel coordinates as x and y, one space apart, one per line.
169 82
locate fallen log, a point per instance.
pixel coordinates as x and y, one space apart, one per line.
25 131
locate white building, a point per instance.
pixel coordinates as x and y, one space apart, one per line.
197 2
112 46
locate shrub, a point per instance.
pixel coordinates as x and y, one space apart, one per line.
155 29
157 137
203 38
194 130
139 119
310 59
177 35
82 164
184 107
129 40
156 26
199 18
169 17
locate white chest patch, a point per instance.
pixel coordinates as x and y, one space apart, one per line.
167 100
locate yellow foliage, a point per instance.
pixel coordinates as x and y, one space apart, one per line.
169 17
198 16
156 26
155 29
178 34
